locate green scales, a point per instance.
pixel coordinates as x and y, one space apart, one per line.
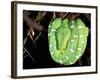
67 40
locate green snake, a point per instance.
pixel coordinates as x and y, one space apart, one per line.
67 40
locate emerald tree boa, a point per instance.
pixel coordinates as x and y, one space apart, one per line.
67 40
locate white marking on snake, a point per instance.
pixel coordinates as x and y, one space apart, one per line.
49 26
79 49
71 50
72 40
53 30
49 34
51 46
53 23
77 56
82 41
72 26
81 36
70 62
80 27
52 53
66 57
61 61
75 36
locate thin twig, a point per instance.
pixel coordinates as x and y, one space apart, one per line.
40 17
73 16
27 12
31 37
37 36
80 62
32 24
26 56
54 15
89 60
25 40
88 16
29 55
65 15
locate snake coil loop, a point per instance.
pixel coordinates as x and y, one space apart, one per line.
67 40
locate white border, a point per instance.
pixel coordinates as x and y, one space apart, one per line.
31 72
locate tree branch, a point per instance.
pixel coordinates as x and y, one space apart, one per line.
32 24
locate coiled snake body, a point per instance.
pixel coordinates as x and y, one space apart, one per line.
67 40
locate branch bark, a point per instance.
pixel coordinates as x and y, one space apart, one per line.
32 24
